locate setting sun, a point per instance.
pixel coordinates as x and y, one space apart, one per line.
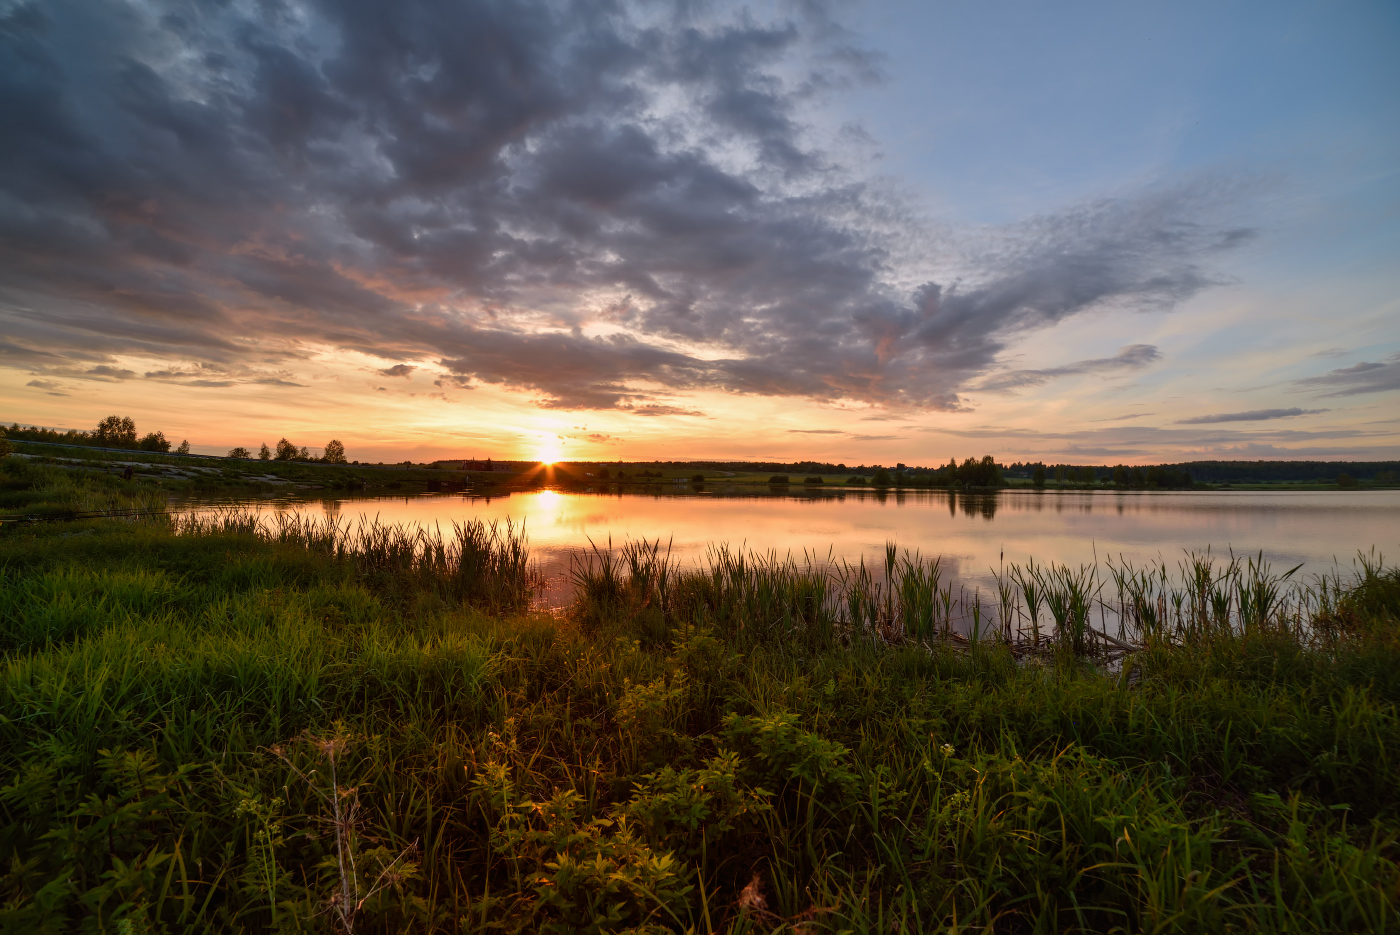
549 451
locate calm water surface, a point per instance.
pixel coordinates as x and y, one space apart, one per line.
972 533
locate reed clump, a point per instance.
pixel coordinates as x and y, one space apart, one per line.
231 724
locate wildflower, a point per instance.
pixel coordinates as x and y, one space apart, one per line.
947 749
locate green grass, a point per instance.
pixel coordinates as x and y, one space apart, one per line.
753 746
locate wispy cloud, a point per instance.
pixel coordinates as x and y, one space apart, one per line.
1135 415
656 409
52 387
1254 415
817 431
1359 378
1132 357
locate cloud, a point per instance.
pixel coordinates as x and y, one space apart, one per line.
595 205
602 439
876 438
1135 415
398 370
817 431
51 387
110 373
1359 378
1132 357
1254 415
655 409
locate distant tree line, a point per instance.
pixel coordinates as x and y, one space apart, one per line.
333 453
111 432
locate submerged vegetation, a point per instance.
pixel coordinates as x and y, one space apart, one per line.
221 723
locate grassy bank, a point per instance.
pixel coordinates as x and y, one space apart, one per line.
222 726
51 480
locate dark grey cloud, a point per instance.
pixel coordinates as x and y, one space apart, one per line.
1132 357
1254 415
597 203
398 370
1359 378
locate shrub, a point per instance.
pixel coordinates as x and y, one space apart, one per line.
239 452
780 480
1345 480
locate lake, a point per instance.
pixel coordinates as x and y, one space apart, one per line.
973 533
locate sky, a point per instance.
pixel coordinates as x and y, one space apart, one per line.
859 232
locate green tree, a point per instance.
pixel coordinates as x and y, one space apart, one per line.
264 453
334 453
184 448
1038 475
286 451
239 452
5 446
882 478
116 432
1345 480
1120 476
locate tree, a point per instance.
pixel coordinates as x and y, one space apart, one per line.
116 432
156 441
335 452
1120 476
5 446
1345 480
286 451
240 452
1038 476
184 448
264 453
882 478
